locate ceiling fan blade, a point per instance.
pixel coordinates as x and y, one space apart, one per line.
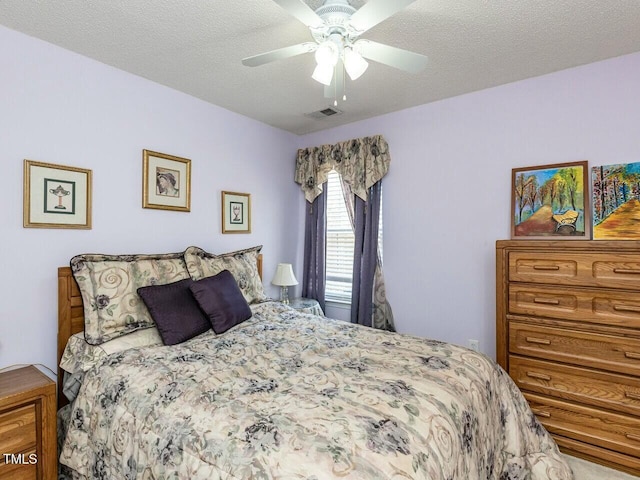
302 12
394 57
375 11
279 54
336 89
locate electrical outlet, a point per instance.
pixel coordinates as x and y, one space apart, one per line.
474 344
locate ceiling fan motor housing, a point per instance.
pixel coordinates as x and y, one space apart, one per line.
335 14
335 10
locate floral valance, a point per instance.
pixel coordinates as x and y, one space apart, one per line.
362 162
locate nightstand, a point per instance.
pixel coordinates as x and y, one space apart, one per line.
306 305
28 444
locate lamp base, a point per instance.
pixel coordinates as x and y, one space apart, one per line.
284 295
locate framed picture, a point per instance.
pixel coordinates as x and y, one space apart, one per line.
550 201
236 212
616 201
166 182
56 196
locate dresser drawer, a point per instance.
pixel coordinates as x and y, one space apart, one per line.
616 392
603 456
594 269
597 427
607 352
27 470
18 430
604 307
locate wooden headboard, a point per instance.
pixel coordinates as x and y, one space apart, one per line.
71 316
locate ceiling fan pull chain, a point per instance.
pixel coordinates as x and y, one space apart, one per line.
335 87
344 83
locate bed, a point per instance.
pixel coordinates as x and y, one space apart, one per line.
290 395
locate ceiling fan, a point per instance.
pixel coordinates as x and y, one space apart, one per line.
336 27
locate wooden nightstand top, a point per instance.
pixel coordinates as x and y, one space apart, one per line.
28 425
17 382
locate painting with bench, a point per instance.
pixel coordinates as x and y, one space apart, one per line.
550 201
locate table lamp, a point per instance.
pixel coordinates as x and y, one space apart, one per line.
284 278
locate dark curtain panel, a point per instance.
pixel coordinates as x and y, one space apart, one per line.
369 305
314 275
365 255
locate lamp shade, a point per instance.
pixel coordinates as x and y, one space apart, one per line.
284 276
327 54
354 64
323 73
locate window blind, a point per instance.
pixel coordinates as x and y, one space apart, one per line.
340 242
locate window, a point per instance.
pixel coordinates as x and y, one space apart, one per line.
340 241
340 244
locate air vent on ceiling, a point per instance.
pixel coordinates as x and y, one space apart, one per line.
326 112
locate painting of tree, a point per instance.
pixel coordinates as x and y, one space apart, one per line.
616 201
550 201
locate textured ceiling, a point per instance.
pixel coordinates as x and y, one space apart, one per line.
196 46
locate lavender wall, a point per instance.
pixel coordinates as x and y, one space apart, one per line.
447 195
59 107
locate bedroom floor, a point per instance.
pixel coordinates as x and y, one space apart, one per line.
584 470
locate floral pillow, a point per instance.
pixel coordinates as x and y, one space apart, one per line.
243 265
108 285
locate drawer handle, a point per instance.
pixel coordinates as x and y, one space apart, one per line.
540 376
632 396
546 301
632 436
544 341
542 413
546 267
627 271
633 355
626 308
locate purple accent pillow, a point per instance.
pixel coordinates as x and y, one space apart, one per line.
221 299
175 311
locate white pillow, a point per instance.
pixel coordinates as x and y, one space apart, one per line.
80 356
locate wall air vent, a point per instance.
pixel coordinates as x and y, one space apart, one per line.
326 112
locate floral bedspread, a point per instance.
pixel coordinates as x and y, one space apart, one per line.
288 395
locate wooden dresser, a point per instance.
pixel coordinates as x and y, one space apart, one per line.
28 445
568 333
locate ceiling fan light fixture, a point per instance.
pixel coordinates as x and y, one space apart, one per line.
336 27
327 54
323 73
354 64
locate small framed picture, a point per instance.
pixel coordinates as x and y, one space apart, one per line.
236 212
551 202
56 196
616 201
166 182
